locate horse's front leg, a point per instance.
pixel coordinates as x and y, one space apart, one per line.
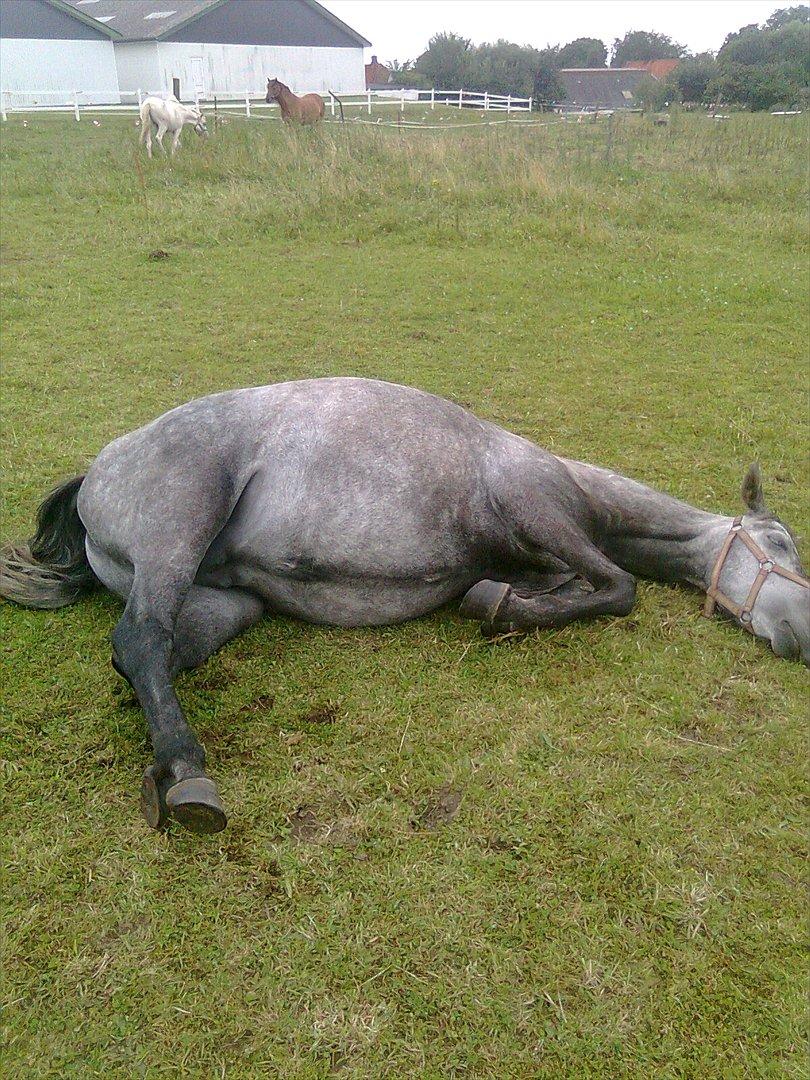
502 610
175 141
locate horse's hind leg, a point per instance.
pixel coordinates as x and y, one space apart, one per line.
161 131
207 619
169 624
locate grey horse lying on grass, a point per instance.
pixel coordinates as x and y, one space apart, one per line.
356 503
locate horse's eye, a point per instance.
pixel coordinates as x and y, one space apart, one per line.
778 541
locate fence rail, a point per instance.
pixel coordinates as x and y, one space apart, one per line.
80 101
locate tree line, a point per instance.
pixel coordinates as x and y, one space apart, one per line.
757 67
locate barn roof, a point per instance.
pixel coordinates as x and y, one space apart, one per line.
659 69
603 88
153 20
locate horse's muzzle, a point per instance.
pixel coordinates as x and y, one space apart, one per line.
786 643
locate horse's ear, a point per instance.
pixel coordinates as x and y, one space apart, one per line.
751 492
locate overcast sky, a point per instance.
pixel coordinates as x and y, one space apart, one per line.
400 29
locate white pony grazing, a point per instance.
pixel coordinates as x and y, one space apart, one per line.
168 114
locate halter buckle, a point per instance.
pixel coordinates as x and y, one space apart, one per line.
745 616
766 565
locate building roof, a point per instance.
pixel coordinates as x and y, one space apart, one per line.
377 74
48 20
602 88
659 69
153 20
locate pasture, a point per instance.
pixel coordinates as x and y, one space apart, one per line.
574 854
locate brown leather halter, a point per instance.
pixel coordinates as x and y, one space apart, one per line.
744 612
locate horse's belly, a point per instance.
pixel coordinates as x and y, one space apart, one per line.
350 602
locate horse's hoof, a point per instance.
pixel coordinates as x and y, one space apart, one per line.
485 600
195 804
153 806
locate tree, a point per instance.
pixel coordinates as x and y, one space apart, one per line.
504 68
548 87
763 66
692 77
645 45
799 13
404 74
756 88
446 61
584 52
654 94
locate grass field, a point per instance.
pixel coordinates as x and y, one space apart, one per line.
574 855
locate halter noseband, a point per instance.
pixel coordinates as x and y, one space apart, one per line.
744 612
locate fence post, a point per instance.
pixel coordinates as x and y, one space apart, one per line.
140 99
459 97
433 97
402 99
368 105
530 106
509 104
486 100
331 102
247 103
3 106
76 104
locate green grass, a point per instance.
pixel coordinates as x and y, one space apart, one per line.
618 891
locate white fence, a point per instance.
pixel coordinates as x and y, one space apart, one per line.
368 101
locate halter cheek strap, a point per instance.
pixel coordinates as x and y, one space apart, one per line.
715 597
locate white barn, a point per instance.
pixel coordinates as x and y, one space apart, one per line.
229 46
48 51
223 47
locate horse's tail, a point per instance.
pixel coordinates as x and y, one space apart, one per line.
51 570
340 106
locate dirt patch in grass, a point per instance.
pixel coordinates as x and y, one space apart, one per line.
440 809
322 714
307 828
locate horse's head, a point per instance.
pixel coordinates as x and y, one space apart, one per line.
274 88
198 120
760 573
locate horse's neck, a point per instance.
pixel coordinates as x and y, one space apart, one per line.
647 532
286 99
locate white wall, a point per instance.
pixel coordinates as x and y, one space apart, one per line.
138 69
233 69
59 66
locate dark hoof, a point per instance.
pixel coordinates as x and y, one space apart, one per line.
485 600
195 804
153 805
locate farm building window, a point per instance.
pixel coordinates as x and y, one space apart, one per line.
627 95
160 14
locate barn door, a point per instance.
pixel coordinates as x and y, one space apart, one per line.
198 76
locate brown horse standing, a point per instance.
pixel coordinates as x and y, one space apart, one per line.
306 110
